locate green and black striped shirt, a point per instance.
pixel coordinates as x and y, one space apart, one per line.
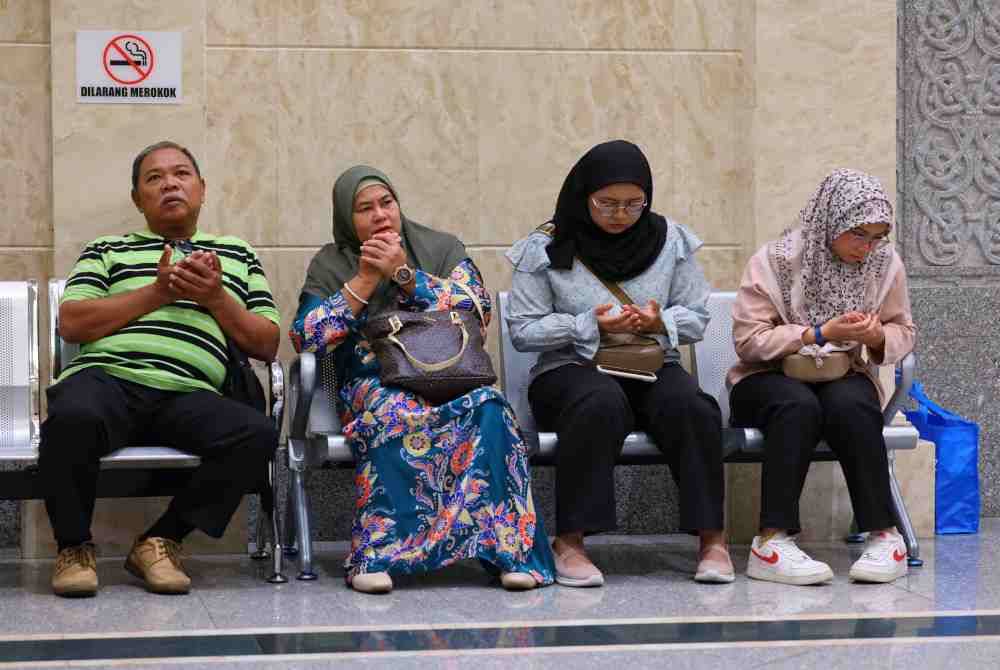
178 347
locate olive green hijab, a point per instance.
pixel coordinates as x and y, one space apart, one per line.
335 264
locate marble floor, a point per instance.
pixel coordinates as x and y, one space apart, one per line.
649 614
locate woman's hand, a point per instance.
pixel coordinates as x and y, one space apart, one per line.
649 318
621 323
383 252
855 327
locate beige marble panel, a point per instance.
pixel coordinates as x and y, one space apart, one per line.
387 23
713 24
712 168
723 266
242 22
25 146
241 158
411 114
24 21
576 24
539 113
286 270
826 99
118 521
93 145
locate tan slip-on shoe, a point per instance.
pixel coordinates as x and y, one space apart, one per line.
517 581
157 562
75 572
371 582
714 566
573 568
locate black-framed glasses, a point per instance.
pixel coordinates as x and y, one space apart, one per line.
609 207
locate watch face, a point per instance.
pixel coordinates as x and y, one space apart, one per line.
402 275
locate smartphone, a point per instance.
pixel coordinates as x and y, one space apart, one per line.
628 373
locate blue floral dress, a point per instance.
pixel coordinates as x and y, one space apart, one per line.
433 484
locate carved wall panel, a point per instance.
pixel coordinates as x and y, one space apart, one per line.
950 126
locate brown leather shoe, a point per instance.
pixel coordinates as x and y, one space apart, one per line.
157 562
75 573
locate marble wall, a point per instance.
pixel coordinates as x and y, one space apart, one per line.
476 109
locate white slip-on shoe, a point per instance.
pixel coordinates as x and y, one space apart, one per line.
714 566
883 560
780 560
573 568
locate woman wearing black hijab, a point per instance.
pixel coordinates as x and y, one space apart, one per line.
604 230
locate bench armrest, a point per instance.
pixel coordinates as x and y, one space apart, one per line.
302 386
906 368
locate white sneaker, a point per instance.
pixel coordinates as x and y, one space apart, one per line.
883 560
780 560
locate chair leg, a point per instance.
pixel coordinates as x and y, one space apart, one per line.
261 551
903 519
270 510
290 547
302 517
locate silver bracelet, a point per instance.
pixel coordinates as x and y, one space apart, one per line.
347 287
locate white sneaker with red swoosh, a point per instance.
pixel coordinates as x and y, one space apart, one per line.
883 560
780 560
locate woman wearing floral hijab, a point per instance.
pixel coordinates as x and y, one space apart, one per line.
831 286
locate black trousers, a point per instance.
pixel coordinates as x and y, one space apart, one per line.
794 416
93 413
592 413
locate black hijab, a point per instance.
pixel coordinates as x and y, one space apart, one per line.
614 257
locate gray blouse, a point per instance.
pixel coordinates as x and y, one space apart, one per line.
552 311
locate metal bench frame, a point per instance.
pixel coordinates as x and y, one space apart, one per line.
315 438
133 471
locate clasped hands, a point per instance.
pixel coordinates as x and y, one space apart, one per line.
631 319
196 277
381 255
862 327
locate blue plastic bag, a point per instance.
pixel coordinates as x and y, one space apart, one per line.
956 477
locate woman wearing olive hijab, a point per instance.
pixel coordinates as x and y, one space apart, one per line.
604 230
434 484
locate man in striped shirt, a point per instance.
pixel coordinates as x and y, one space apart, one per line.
152 311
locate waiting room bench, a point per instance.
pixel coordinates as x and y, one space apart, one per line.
315 439
136 471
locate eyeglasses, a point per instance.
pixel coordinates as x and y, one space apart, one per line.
861 238
609 207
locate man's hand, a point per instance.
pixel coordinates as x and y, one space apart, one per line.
198 277
164 270
622 323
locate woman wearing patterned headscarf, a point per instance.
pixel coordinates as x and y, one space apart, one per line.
435 484
604 230
831 284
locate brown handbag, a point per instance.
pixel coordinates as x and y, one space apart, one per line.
814 371
438 355
626 354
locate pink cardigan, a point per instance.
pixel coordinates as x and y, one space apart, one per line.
763 339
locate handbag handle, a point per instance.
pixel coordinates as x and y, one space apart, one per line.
397 326
475 301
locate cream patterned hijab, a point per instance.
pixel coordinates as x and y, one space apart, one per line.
815 284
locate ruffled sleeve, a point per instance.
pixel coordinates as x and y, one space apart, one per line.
686 315
533 323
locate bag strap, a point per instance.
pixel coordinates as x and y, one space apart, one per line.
475 300
616 290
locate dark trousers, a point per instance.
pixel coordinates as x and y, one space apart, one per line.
593 412
794 416
92 414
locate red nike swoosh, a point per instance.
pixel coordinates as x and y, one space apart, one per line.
896 556
772 559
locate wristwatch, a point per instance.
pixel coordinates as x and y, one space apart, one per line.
403 275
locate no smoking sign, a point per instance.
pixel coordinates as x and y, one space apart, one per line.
128 66
128 59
